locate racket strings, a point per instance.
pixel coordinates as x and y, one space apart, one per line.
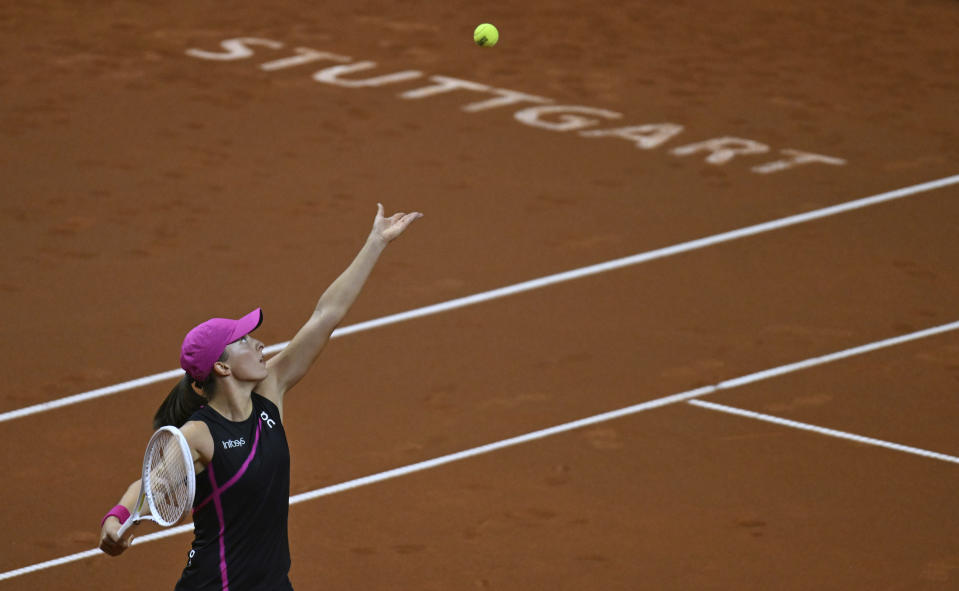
168 489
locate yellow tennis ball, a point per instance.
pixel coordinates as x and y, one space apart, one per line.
486 35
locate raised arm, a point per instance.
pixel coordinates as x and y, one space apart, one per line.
291 364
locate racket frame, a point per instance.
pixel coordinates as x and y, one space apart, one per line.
145 497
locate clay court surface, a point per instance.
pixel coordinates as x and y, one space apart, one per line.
156 174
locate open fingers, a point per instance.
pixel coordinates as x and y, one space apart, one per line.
409 217
391 227
404 219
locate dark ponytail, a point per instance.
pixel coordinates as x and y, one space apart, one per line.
184 400
180 403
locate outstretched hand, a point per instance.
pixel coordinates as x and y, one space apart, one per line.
388 228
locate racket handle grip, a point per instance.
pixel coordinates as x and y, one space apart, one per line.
123 528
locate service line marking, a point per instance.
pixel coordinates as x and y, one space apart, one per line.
688 395
532 284
823 430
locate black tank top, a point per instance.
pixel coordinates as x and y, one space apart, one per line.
241 506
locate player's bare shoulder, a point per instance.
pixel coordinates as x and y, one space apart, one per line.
200 439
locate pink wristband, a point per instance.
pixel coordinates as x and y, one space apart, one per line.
120 512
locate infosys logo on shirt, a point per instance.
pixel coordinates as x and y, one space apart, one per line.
231 443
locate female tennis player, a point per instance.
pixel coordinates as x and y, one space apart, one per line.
234 428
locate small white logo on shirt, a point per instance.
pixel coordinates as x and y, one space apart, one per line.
231 443
265 417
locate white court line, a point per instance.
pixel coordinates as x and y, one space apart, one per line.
823 431
607 416
524 286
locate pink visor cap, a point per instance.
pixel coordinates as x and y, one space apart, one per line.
204 344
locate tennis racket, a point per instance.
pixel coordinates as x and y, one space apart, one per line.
168 482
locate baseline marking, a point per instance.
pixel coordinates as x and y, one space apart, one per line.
689 395
524 286
823 430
